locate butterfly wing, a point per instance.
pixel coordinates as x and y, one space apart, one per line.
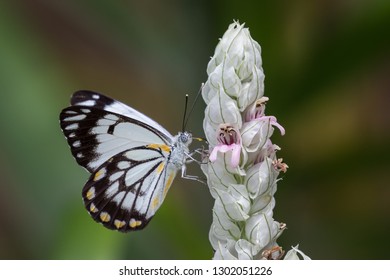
96 132
126 191
100 101
127 154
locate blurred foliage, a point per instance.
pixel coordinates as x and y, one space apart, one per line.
327 66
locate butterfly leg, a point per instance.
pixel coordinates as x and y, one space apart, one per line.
199 151
190 177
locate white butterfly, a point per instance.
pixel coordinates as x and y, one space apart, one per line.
132 159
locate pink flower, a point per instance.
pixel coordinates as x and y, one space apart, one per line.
229 139
257 109
269 150
273 121
256 112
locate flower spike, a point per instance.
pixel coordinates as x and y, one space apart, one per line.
242 168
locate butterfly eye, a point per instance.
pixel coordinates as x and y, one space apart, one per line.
185 137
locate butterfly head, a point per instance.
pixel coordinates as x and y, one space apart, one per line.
184 138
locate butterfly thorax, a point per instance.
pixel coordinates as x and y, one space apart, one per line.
180 148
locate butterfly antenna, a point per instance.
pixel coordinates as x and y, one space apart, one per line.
185 113
185 121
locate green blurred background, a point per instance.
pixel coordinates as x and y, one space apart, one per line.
327 66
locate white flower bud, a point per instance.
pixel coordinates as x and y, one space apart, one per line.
236 67
260 178
261 229
255 134
245 250
228 113
223 253
293 254
223 231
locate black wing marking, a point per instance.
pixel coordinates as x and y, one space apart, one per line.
100 101
95 135
95 99
127 190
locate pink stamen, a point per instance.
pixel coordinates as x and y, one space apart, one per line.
279 165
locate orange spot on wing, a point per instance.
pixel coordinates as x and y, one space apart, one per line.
163 147
105 217
99 174
118 224
134 223
168 183
155 202
91 193
93 208
160 168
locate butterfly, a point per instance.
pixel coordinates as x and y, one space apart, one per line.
132 159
